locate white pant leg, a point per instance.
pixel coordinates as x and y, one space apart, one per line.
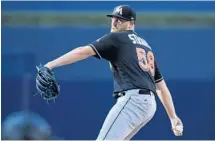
129 113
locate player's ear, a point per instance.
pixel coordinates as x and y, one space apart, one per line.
131 25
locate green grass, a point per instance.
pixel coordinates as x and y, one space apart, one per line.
146 19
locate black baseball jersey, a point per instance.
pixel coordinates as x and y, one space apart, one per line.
131 60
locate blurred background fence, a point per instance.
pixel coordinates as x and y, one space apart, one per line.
182 35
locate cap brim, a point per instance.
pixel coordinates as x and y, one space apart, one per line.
113 15
118 16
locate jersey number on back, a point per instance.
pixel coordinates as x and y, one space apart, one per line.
146 60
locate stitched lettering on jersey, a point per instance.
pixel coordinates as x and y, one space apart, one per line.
138 40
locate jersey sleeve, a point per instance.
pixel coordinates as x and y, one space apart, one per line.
104 47
158 76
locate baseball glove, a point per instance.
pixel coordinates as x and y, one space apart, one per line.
46 83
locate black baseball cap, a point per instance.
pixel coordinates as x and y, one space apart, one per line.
124 12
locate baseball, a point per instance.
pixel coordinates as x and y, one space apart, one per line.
179 128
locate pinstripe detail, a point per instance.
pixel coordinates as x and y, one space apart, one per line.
159 80
116 117
95 50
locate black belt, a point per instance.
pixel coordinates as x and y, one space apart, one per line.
141 91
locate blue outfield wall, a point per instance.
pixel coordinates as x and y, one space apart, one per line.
167 6
80 110
185 56
181 53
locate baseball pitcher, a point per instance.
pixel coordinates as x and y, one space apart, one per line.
137 78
